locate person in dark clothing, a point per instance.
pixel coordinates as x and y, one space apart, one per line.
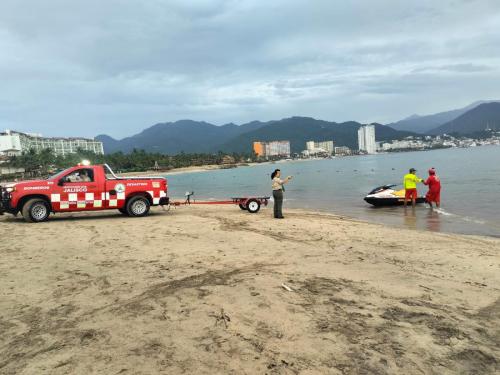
278 190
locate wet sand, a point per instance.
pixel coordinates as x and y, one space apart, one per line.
212 290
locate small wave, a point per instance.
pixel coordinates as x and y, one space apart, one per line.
464 218
443 212
473 220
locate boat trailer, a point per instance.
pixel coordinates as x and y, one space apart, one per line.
250 204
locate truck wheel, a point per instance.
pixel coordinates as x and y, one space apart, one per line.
253 206
35 210
123 211
242 207
138 206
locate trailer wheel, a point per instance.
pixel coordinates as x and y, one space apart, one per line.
253 206
36 210
242 206
138 206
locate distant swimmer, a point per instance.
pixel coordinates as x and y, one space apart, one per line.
434 184
410 181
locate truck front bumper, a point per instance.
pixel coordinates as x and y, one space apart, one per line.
164 201
5 205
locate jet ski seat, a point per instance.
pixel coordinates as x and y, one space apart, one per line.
399 193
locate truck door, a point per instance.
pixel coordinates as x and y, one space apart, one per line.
79 190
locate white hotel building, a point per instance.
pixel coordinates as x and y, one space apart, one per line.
366 139
15 143
277 148
313 147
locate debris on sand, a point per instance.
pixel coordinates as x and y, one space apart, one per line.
221 317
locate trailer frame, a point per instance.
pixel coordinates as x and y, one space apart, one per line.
251 204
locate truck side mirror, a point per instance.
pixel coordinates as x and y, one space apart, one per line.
61 181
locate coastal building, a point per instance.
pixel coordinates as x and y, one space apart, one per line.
366 139
414 143
228 159
310 146
323 147
10 170
15 143
258 149
273 148
9 152
342 151
399 145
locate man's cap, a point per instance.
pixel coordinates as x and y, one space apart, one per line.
412 170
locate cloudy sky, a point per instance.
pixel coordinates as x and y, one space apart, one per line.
118 66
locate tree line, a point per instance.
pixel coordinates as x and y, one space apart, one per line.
46 161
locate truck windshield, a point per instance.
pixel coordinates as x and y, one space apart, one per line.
58 174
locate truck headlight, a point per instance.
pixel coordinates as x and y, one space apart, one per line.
10 189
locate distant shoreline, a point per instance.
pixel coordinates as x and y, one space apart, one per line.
183 170
214 167
204 168
208 168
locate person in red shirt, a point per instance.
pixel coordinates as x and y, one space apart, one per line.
434 193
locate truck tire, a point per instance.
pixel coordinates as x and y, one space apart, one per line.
123 210
138 206
242 206
36 210
253 206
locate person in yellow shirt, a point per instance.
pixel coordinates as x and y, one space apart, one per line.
410 181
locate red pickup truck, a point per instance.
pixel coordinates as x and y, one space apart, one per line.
83 188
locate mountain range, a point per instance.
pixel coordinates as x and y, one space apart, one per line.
427 124
484 116
180 136
194 136
198 136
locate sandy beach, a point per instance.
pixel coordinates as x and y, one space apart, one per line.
192 169
215 290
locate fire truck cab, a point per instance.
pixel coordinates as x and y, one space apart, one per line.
83 188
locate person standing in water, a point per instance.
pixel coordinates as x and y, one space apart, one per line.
434 184
410 185
278 190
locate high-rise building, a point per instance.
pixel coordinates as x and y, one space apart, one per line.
15 143
310 146
273 148
366 139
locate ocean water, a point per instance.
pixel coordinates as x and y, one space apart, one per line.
470 181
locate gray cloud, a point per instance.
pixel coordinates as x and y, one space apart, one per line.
89 67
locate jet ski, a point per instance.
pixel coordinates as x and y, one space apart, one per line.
389 195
